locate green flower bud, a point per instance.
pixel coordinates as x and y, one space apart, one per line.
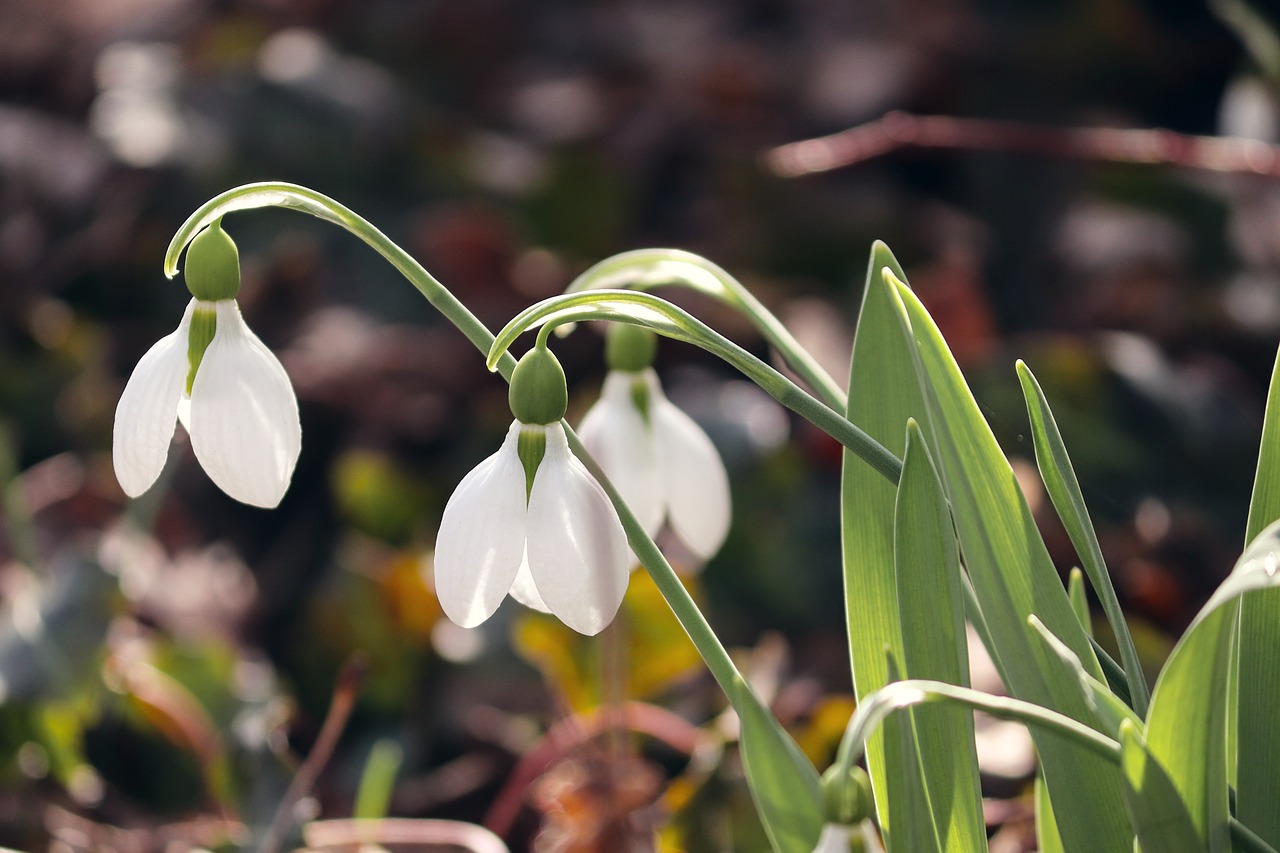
204 322
629 348
213 265
539 393
846 797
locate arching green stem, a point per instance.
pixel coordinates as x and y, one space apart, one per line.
648 268
660 316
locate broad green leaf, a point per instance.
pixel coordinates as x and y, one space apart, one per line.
1158 814
931 615
1257 729
882 397
1064 490
1013 578
1187 727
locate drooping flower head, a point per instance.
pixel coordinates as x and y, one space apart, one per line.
531 520
229 391
660 461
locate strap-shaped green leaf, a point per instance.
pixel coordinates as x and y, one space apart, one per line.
882 397
1013 578
1064 490
931 616
1257 730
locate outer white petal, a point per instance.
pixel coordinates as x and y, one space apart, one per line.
834 839
244 415
481 539
148 408
577 550
616 435
697 488
525 591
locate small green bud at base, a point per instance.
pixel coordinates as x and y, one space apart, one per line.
531 446
204 322
212 272
629 348
539 393
846 797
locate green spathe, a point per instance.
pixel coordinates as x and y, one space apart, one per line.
846 795
539 393
213 265
629 348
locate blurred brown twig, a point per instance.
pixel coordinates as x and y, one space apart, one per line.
898 130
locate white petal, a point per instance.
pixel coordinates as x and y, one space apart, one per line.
481 539
525 591
617 437
577 550
834 839
697 487
148 409
244 415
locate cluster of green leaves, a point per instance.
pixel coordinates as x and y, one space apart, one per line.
954 539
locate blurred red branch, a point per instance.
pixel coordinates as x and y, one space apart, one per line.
898 130
570 733
345 692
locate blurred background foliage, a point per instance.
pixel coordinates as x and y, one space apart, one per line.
166 665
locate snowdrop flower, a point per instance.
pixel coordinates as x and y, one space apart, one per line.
531 520
214 375
846 806
660 461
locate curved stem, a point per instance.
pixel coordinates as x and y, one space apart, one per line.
664 318
873 709
295 197
646 268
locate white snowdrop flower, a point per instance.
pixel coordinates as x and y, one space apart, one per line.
531 521
661 462
213 373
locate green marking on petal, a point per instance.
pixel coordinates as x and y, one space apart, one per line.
531 447
640 397
204 322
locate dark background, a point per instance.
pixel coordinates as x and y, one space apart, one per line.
509 145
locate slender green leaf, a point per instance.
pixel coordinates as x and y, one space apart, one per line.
378 780
882 397
783 783
1257 723
1079 598
1013 578
1047 837
931 615
1158 814
1064 490
1187 727
1109 713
